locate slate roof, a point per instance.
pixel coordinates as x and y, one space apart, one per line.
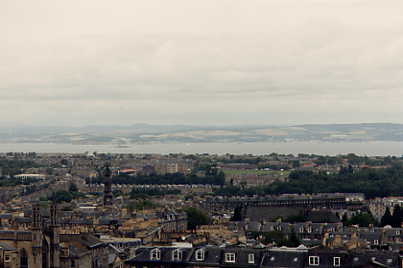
290 259
272 258
319 216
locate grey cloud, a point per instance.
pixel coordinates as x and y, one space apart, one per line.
190 57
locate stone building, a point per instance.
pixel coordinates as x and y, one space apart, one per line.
41 244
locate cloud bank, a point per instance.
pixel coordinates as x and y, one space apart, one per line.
208 62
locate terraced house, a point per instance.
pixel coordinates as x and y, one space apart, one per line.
243 257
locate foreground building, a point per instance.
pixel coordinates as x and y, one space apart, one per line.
43 244
300 257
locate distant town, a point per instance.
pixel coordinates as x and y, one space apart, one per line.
200 210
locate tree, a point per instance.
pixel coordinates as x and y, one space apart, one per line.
196 218
237 214
275 237
300 217
243 184
64 162
61 196
293 240
387 218
296 164
140 205
362 219
73 188
397 217
345 219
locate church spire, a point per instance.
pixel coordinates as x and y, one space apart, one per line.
107 178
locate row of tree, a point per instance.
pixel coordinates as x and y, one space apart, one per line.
64 196
173 179
146 192
371 182
14 166
278 238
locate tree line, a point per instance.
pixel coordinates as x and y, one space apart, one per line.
147 192
371 182
14 166
174 179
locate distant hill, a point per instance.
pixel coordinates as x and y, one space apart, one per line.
147 133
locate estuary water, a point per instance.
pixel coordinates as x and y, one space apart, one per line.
380 148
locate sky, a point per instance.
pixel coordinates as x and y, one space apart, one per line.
207 62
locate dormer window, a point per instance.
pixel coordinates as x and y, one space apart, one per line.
314 260
200 255
177 255
155 254
229 257
251 258
336 261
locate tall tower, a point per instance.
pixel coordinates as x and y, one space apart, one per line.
36 217
107 178
54 255
37 235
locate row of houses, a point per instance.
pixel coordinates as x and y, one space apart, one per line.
300 257
375 236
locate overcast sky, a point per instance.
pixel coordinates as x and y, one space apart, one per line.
76 62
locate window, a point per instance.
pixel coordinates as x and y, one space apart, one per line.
229 257
376 242
155 254
177 255
314 260
309 230
7 258
336 261
200 255
251 258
